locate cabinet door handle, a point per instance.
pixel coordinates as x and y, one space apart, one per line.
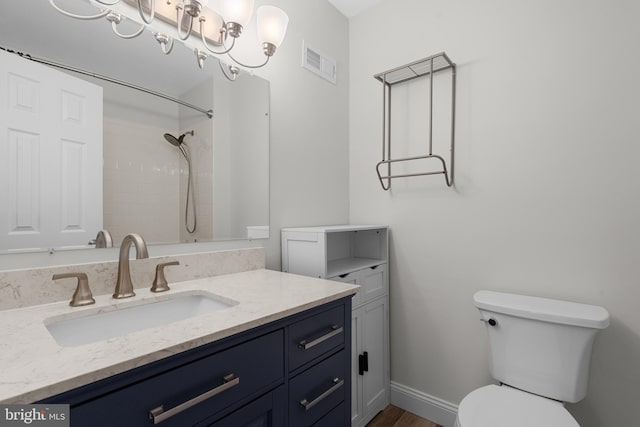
337 383
159 415
335 330
363 363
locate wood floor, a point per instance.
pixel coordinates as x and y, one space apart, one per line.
392 416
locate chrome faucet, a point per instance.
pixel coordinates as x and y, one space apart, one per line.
124 287
103 239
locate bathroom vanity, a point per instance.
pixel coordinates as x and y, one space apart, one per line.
279 355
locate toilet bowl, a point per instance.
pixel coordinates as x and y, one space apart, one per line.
503 406
540 353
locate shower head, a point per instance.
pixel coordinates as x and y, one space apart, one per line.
177 141
182 146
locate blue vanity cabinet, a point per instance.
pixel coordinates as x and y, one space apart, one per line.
266 411
229 376
318 390
319 369
291 372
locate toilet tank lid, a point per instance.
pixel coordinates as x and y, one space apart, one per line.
544 309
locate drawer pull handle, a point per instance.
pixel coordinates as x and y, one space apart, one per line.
158 414
337 383
335 330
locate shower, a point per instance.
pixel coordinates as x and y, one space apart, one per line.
184 149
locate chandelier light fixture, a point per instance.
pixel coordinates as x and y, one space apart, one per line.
198 27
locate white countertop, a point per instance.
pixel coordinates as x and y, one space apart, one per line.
33 366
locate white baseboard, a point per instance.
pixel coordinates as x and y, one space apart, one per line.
423 405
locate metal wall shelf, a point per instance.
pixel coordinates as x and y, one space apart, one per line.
426 67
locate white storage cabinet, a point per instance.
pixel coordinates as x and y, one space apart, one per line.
353 254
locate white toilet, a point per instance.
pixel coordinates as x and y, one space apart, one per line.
540 353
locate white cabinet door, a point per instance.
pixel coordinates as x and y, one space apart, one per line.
370 342
375 342
356 383
304 253
50 157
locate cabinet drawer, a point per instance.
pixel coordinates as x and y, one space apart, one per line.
267 411
316 391
334 418
312 337
351 278
204 378
374 283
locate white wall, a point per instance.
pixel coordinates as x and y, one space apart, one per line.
241 155
309 155
249 154
546 199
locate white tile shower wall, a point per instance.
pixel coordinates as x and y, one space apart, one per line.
141 169
141 182
22 288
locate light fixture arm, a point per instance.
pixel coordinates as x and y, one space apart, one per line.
164 40
179 19
246 65
73 15
106 3
233 70
223 36
200 57
152 13
115 19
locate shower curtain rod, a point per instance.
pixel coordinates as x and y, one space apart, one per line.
208 113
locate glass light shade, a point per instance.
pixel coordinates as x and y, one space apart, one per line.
238 11
203 3
272 25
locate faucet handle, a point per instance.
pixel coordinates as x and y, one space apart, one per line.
82 295
160 282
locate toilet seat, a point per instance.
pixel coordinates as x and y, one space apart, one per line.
495 406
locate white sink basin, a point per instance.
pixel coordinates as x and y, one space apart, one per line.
121 321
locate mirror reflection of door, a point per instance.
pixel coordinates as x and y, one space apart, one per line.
51 153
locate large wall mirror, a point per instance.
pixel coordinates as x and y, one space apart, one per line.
166 171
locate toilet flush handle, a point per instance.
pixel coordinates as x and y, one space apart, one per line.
491 321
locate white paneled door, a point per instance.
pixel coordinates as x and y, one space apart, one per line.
50 157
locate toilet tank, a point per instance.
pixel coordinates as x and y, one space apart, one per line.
541 345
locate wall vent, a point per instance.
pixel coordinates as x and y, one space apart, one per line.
318 63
